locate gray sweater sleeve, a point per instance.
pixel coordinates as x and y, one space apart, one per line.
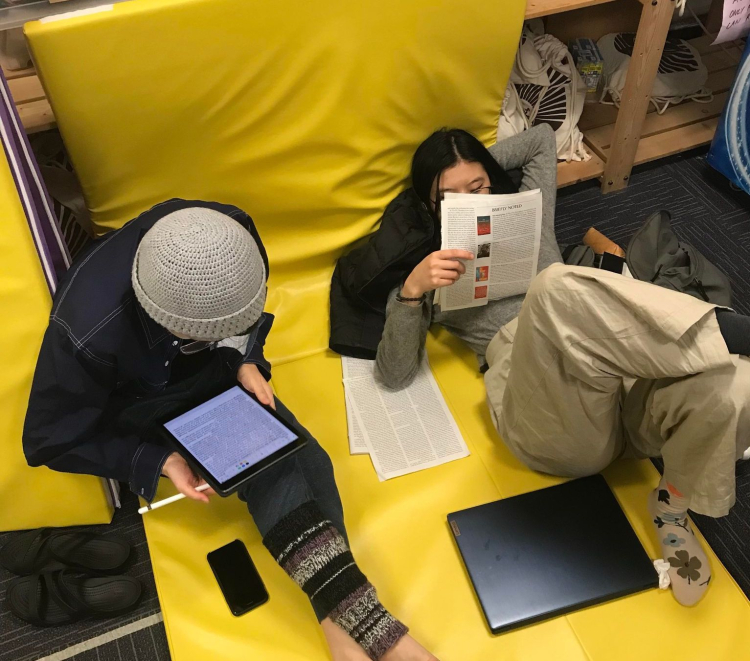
535 151
400 349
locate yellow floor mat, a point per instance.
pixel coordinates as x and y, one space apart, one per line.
30 497
401 540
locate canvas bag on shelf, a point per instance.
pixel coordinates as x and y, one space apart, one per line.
545 87
681 75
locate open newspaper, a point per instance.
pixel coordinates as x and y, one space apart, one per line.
403 431
503 232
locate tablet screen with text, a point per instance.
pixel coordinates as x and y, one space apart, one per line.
230 433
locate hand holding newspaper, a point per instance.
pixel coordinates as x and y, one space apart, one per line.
504 233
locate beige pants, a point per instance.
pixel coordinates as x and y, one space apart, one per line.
598 365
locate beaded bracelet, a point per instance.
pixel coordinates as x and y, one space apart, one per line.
404 299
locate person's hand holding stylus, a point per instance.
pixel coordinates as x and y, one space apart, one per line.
183 477
171 499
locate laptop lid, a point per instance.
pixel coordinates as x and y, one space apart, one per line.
550 552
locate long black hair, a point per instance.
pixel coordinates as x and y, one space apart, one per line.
442 150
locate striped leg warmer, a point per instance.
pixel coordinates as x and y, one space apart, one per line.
310 549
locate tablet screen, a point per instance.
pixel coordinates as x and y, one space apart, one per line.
229 433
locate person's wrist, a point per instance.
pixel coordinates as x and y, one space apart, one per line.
244 369
171 460
408 290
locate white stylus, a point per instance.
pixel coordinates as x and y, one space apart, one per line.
171 499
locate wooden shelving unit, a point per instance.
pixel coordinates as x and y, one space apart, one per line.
682 127
621 138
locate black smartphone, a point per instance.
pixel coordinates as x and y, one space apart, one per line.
237 577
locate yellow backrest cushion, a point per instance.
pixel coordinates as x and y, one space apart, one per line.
30 497
304 114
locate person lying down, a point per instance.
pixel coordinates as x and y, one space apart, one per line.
557 359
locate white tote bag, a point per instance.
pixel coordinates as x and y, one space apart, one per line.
545 87
681 75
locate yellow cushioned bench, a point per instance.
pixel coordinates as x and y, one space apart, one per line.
306 115
30 497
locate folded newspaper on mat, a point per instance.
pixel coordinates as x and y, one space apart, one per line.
403 431
503 232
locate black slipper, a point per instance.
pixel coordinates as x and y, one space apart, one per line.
49 599
48 549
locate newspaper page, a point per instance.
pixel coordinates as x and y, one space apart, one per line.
504 234
357 444
405 430
354 368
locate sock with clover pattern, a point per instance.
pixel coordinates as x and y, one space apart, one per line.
689 570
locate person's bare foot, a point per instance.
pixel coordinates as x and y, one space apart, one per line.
408 649
343 647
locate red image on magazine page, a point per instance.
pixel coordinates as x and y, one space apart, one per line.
483 273
483 225
480 292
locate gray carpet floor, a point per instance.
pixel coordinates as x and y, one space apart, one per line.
706 212
149 644
23 642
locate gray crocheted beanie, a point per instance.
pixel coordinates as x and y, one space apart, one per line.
199 273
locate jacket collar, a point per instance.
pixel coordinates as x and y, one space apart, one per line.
152 332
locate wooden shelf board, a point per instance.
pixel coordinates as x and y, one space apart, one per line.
31 102
675 117
538 8
10 74
721 59
575 172
36 116
27 88
671 122
669 143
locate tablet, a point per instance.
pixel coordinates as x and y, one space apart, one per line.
231 438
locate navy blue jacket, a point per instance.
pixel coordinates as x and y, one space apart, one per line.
102 347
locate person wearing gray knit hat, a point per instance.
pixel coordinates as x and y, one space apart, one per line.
160 316
199 273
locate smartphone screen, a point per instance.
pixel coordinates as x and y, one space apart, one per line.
237 577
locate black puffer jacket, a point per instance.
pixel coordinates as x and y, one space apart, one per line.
364 278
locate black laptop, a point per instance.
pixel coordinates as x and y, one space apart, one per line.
550 552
